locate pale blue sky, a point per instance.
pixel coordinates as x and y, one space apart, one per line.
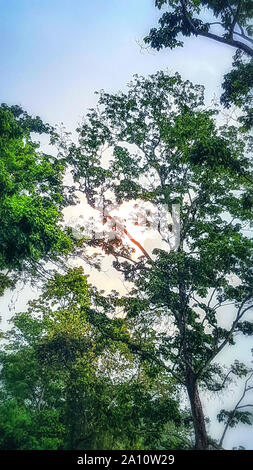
55 53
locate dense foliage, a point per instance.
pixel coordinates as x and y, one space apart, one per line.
64 386
230 23
31 196
167 149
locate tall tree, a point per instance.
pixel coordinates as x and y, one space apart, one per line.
31 196
167 149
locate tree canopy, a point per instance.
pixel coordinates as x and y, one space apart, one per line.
166 148
226 22
66 386
31 196
186 18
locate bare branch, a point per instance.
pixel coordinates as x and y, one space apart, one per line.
244 37
211 297
214 444
109 217
241 29
229 42
218 389
245 406
136 243
215 22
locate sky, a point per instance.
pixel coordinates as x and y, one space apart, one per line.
55 54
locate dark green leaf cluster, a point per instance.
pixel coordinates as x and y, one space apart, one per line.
235 417
31 193
238 89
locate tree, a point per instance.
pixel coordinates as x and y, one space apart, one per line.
166 149
66 386
31 197
30 395
238 89
234 20
183 19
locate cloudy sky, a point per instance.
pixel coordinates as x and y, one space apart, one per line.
55 54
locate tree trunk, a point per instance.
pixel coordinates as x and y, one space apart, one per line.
201 439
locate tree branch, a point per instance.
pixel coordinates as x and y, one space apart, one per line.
228 41
235 19
244 37
246 388
135 348
109 217
239 315
218 389
135 242
245 406
214 444
241 29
